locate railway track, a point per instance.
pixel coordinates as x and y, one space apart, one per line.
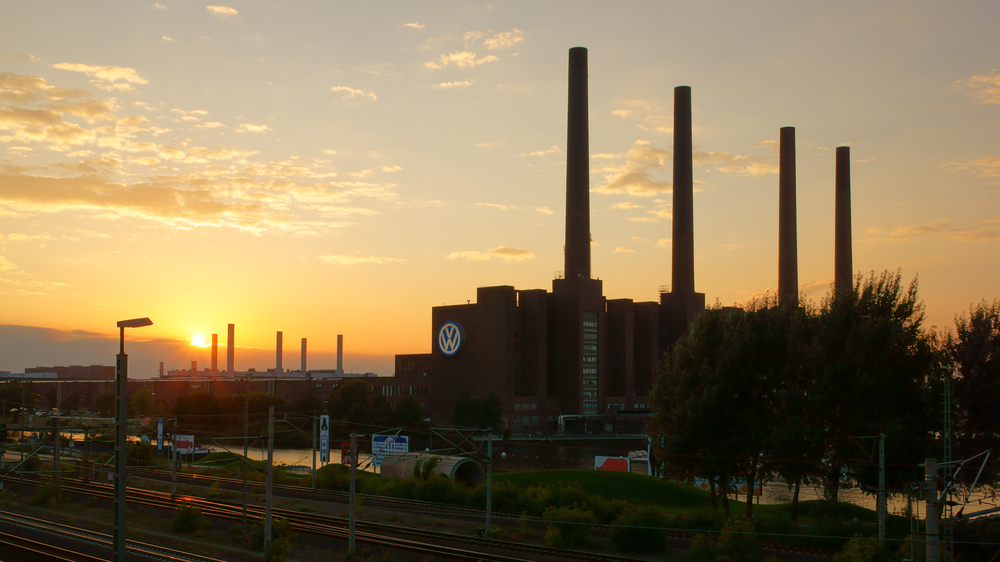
386 535
76 535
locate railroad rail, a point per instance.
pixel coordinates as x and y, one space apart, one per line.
86 536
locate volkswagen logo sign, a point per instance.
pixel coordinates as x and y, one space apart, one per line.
451 336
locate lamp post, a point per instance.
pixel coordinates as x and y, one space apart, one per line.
121 435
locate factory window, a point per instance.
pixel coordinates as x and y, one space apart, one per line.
411 390
590 336
590 347
534 423
524 423
534 406
517 406
517 423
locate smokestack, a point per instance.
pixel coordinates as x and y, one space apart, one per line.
230 348
340 354
277 354
578 169
215 352
682 266
843 254
161 369
303 356
788 265
194 365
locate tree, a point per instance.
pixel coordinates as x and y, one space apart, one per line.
485 412
71 402
716 405
871 360
974 353
408 413
105 403
307 404
141 403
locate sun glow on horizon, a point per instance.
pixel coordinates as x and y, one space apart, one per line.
198 340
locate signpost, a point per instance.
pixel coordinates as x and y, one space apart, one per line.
184 444
324 439
346 452
382 444
159 436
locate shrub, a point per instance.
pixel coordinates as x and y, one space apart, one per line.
568 527
703 548
739 542
280 529
640 529
858 549
607 511
187 519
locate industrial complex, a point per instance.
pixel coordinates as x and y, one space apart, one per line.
555 357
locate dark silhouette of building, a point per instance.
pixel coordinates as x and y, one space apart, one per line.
571 351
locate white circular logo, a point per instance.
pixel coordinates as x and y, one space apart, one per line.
450 338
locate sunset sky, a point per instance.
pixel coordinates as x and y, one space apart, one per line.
327 168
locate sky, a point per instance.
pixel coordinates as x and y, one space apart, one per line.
325 168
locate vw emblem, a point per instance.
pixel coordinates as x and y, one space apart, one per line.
450 338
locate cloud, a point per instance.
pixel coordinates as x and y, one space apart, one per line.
211 125
168 39
248 128
622 250
446 85
491 144
664 242
987 167
158 6
354 260
544 210
503 253
984 88
554 150
413 25
740 165
222 12
5 264
635 177
329 151
494 206
983 230
462 59
627 205
623 113
354 93
495 42
104 73
810 286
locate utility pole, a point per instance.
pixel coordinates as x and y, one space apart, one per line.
933 510
246 436
56 465
489 478
270 484
881 488
354 469
315 437
173 465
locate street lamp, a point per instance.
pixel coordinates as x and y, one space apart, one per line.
121 434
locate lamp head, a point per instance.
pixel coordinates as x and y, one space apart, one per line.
135 323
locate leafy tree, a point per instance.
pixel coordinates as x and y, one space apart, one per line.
871 359
485 412
974 351
716 407
105 403
51 397
141 403
14 394
307 404
72 402
408 413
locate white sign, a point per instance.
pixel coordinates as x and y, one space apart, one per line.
159 435
324 439
450 338
382 444
184 444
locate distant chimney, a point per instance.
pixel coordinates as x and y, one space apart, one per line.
277 355
215 352
161 369
788 266
682 255
340 354
230 348
194 365
578 169
843 274
303 359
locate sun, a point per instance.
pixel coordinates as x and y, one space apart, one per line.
198 340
